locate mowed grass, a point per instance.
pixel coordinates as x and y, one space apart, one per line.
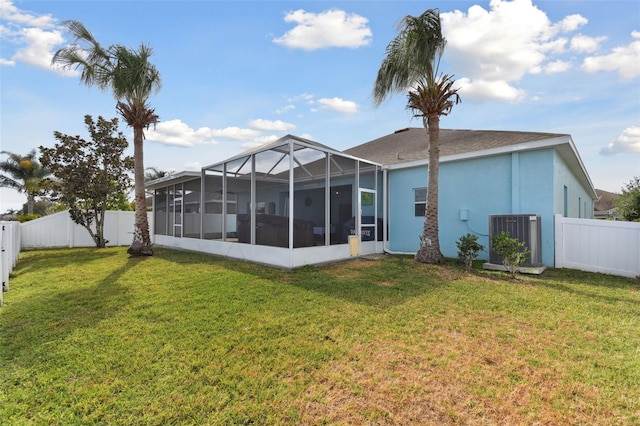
94 337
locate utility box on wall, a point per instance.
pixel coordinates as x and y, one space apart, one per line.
523 227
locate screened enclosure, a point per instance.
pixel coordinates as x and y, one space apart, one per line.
290 194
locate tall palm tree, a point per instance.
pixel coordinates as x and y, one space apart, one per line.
23 173
411 65
132 79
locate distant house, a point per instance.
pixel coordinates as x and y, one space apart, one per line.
295 202
604 207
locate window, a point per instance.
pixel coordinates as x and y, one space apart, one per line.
420 201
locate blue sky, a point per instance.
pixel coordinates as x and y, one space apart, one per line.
239 73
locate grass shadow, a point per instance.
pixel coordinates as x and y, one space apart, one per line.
60 257
31 324
612 293
384 281
607 288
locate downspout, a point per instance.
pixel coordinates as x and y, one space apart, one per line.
385 212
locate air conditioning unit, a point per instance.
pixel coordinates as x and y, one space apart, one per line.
522 227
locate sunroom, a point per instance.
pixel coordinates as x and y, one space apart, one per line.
289 203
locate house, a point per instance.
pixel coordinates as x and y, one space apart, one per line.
482 173
312 204
604 207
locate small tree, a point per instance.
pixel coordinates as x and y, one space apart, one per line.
629 202
468 249
512 252
89 175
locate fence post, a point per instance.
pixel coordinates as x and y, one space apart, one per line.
559 241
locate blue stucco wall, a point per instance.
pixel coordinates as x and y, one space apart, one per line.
579 202
514 183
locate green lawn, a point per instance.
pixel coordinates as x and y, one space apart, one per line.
93 336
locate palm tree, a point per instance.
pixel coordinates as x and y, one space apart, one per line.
411 64
132 79
25 174
154 173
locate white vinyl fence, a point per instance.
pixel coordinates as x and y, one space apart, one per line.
58 230
10 245
610 247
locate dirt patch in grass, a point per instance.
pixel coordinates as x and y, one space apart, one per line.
351 269
451 377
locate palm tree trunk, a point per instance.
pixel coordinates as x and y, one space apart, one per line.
30 203
429 251
141 244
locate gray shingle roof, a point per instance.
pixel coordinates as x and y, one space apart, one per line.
411 144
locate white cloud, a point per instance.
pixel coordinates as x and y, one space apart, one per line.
285 108
486 89
175 132
586 44
40 46
623 59
556 67
237 133
332 28
36 37
571 23
307 97
493 49
271 126
339 105
627 143
10 13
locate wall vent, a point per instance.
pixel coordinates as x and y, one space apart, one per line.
523 227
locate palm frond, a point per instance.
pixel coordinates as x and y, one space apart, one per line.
433 96
24 172
134 78
7 182
414 53
86 55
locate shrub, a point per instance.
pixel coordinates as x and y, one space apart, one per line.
27 217
468 249
512 252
